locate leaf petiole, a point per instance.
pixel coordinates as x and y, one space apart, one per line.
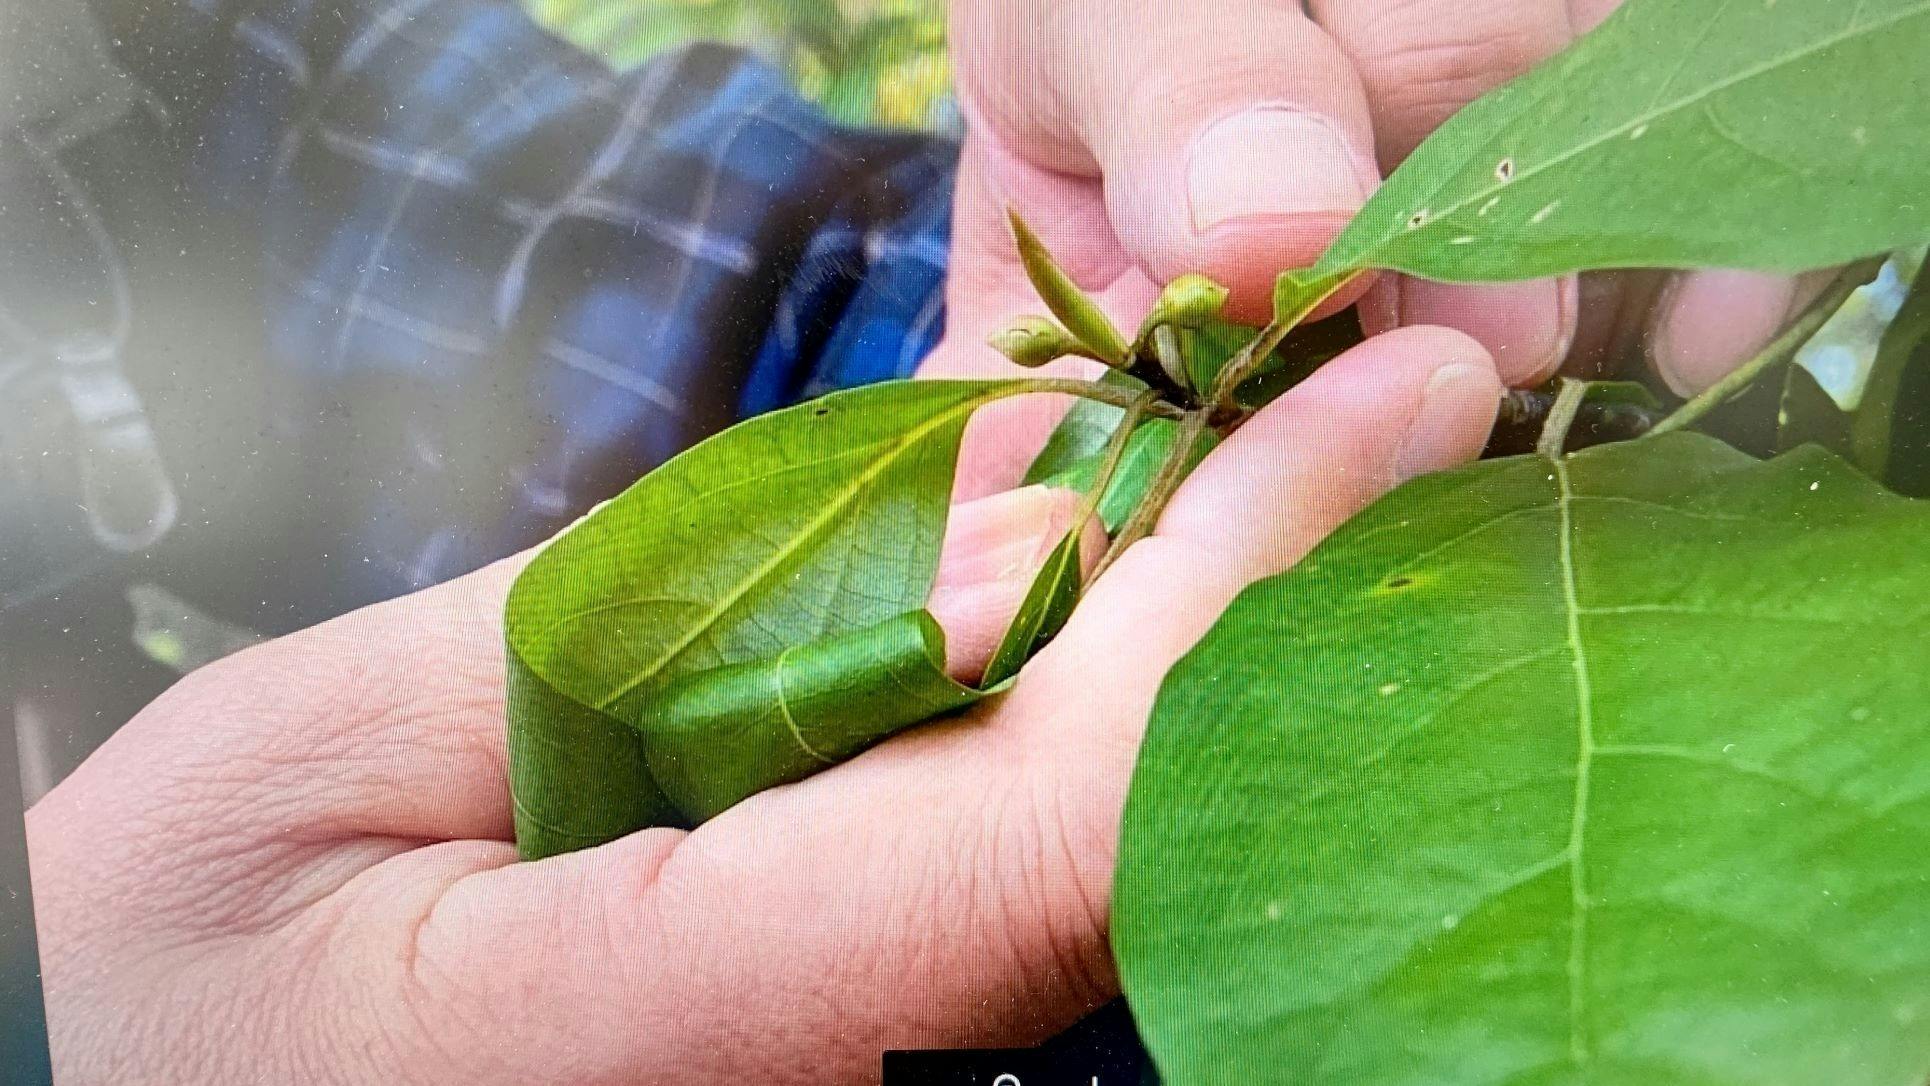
1110 395
1172 472
1114 454
1561 417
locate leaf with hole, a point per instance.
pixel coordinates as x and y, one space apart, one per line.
1783 136
1607 770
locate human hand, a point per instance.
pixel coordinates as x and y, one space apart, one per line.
1146 138
296 866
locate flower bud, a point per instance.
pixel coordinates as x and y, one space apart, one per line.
1034 341
1189 301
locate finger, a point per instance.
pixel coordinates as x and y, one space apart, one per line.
1399 405
387 720
1586 15
1412 401
1232 138
1709 322
1421 61
994 548
1529 328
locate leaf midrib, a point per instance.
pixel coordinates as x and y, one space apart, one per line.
1438 219
832 510
1584 758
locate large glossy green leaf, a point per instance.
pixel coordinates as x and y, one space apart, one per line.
1611 771
1781 134
805 524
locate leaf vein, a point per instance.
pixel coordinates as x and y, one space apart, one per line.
1584 756
832 508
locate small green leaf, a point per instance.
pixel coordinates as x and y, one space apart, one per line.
719 736
1776 135
804 524
1298 293
1146 450
1607 769
1043 612
1079 313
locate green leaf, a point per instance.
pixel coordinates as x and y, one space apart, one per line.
1043 612
1082 434
808 523
719 736
1079 313
1146 450
1608 770
1298 293
1778 135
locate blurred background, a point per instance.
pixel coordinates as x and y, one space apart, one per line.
867 62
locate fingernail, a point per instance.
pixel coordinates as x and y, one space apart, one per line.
1526 326
1708 322
1440 437
1273 160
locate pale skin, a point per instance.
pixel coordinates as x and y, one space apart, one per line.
297 865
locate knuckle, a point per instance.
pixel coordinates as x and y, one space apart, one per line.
1431 77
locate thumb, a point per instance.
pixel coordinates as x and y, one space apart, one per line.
1242 150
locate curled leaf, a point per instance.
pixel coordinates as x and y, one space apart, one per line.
806 524
719 736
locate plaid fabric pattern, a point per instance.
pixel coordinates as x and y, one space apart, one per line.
475 281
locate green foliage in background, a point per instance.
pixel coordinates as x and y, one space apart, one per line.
874 62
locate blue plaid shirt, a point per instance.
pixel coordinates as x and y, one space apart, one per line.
341 298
